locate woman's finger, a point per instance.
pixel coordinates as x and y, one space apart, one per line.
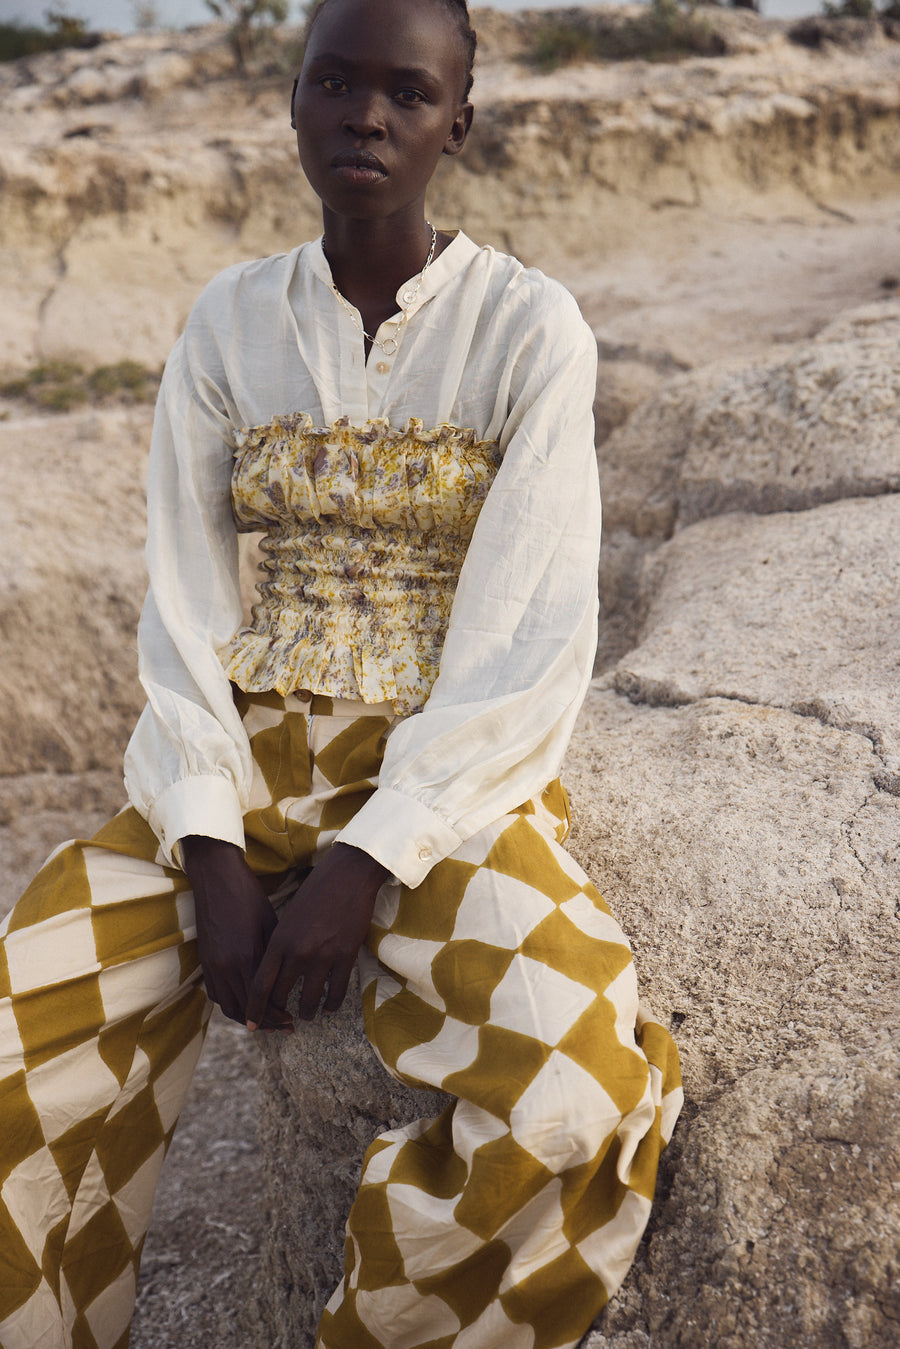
338 983
232 1002
260 994
313 988
220 996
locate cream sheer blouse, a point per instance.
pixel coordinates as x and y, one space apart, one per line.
489 346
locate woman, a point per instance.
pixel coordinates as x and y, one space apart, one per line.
364 400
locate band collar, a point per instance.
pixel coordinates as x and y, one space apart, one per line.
457 255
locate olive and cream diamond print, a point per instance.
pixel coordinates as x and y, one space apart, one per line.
504 981
92 1080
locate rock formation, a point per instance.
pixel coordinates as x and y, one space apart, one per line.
729 225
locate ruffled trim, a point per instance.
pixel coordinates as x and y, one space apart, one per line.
290 470
291 424
371 672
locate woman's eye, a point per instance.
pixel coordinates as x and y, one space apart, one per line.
410 96
333 84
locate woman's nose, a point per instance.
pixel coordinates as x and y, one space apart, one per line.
365 117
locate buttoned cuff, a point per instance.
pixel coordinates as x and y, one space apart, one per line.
401 834
207 805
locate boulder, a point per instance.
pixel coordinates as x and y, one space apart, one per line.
752 858
778 432
797 610
72 581
781 1224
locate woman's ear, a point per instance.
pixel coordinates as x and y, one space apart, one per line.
462 124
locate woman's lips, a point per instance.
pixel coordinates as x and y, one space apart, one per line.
348 174
358 167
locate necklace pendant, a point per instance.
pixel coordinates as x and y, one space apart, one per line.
389 346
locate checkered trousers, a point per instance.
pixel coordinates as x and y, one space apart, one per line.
502 980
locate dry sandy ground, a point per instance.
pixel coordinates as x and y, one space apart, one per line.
200 1255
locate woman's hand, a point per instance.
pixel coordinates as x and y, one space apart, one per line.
234 922
318 936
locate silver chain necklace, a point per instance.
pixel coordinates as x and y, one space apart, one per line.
390 344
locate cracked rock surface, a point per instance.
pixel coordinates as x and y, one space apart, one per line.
754 862
798 610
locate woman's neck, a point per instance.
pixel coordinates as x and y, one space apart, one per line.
370 260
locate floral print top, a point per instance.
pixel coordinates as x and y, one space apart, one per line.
366 531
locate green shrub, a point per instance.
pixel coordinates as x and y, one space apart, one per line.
58 397
849 9
559 45
128 378
247 19
59 386
55 372
62 30
666 30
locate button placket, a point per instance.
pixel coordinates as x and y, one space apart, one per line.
353 382
377 376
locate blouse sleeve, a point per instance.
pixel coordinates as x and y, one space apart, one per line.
188 764
522 636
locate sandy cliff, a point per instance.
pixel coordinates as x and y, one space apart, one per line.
730 226
148 160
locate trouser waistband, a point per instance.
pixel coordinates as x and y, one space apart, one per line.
316 704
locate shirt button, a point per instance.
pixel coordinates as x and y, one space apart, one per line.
424 854
409 297
383 368
304 695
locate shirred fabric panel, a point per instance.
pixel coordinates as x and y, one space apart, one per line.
366 530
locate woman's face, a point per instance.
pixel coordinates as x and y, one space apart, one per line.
378 101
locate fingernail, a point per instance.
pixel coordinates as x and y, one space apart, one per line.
252 1025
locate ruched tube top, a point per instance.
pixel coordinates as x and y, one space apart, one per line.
366 531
